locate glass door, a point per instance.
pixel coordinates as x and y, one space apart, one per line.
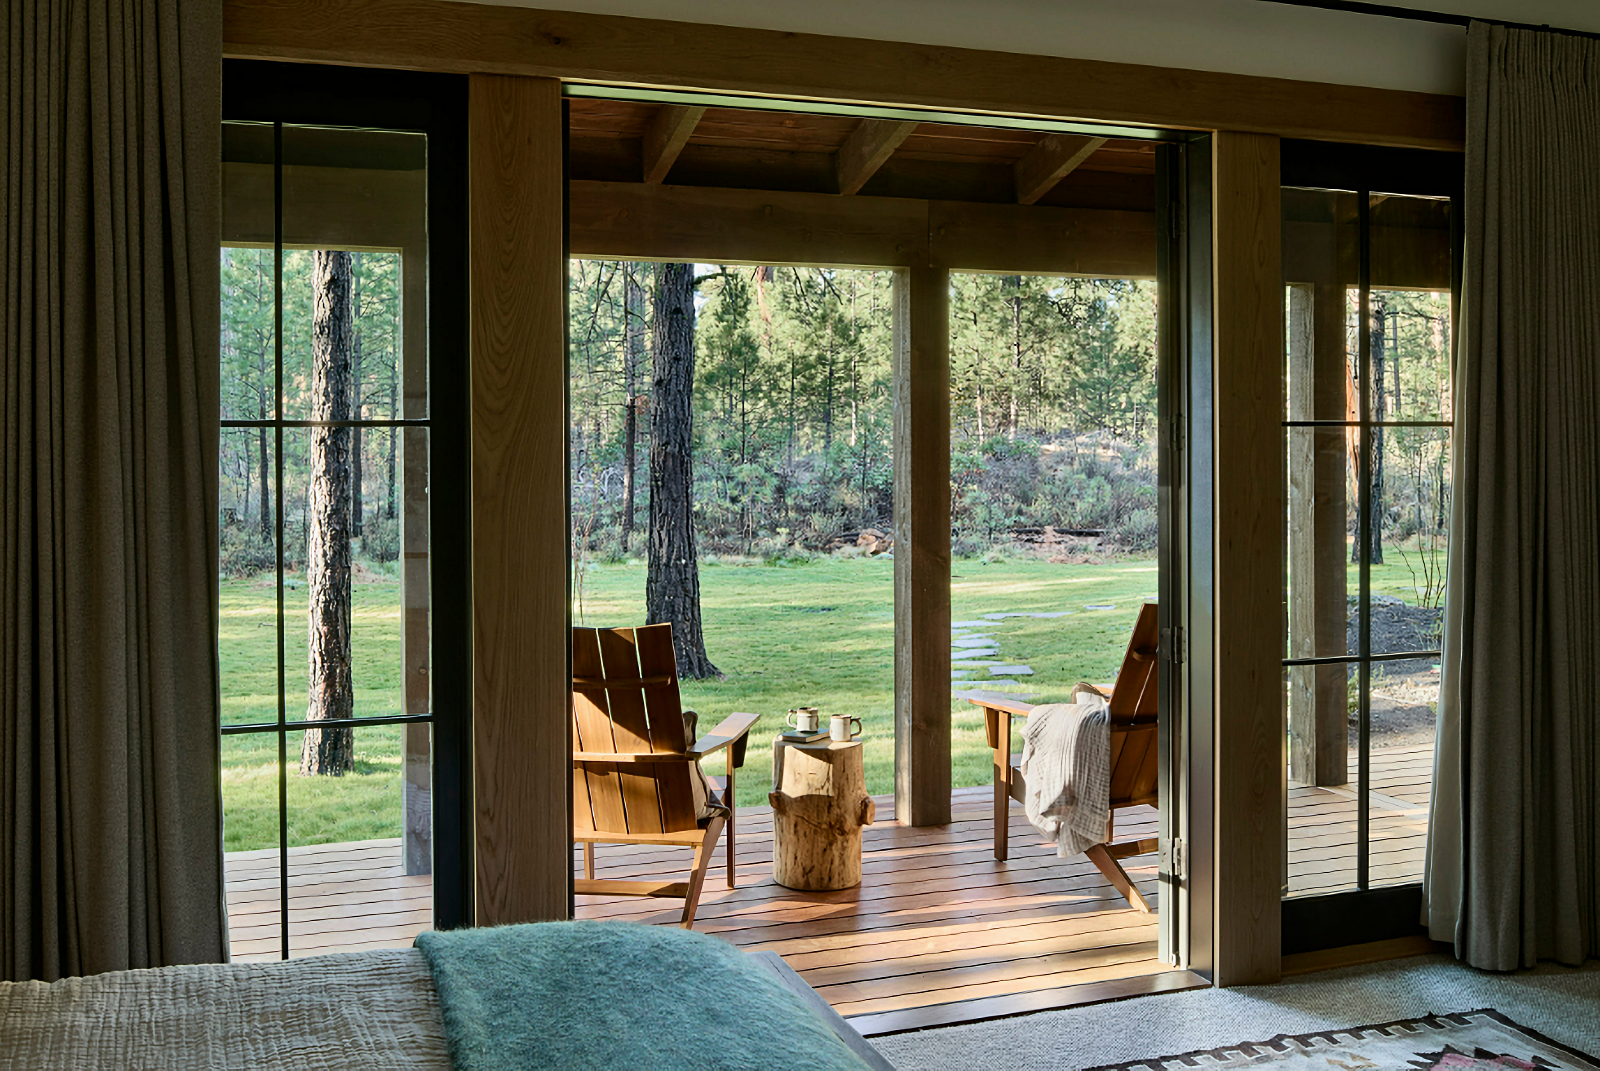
343 596
1369 253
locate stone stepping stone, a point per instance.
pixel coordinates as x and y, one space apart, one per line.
1099 607
973 641
981 694
981 652
1056 613
970 624
959 674
1016 671
966 664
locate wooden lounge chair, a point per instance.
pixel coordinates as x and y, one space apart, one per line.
632 762
1134 754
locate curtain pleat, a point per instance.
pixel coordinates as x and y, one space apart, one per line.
1513 868
110 805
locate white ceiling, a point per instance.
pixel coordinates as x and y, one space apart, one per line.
1243 36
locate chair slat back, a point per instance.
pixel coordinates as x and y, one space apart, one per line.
1135 764
1134 697
625 699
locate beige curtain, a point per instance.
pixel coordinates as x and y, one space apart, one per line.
1513 872
110 813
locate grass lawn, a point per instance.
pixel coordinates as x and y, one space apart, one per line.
814 634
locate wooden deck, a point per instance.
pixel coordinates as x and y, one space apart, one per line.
935 920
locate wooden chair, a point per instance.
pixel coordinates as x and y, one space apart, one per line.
631 760
1135 754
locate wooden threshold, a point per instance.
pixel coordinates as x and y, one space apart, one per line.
985 1008
1355 955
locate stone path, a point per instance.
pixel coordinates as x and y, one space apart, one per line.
971 650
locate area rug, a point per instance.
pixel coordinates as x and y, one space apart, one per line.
1467 1041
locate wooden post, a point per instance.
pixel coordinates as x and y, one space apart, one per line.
1318 749
522 759
1248 406
922 545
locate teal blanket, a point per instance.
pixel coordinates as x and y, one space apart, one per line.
618 995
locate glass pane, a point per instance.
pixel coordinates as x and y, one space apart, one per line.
1324 779
1404 699
247 638
247 346
356 622
250 840
354 274
1410 526
1410 308
360 847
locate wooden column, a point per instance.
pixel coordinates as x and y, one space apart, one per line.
1248 406
1318 734
922 545
521 752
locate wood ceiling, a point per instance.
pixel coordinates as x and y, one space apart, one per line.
632 141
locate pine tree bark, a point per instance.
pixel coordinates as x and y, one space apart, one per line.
672 578
331 691
632 351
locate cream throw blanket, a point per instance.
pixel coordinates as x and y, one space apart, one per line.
1066 761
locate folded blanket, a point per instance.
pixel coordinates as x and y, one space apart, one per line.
1066 762
576 995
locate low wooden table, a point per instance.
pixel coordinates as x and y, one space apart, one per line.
819 804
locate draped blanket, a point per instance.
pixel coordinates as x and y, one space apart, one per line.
1066 761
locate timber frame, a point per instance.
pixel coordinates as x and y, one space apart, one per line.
518 58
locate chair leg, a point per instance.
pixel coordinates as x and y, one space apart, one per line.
588 860
702 861
999 727
727 801
1117 877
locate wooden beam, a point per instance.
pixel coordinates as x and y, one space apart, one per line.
922 545
521 747
868 148
1050 161
1247 443
631 220
441 35
665 138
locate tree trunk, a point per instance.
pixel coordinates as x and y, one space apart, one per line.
331 692
389 507
1380 309
356 512
1014 283
672 578
632 351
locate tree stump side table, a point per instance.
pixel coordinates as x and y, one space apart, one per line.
819 804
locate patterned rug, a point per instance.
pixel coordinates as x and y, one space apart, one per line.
1469 1041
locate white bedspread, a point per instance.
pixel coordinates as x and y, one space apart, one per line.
357 1010
1066 762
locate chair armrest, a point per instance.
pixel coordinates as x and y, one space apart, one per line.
1010 706
633 756
732 730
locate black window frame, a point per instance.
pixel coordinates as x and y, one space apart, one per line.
1368 913
295 94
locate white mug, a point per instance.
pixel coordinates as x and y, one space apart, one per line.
840 728
805 719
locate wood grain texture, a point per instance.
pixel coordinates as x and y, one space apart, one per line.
665 137
868 148
1248 400
521 751
1050 161
922 545
443 36
714 226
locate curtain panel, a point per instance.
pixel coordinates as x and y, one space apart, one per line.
1513 867
110 807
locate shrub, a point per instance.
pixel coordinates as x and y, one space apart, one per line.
380 539
243 553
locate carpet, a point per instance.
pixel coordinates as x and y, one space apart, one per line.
1482 1039
1559 1002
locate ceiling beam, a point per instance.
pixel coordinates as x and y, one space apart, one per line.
868 148
1050 161
665 138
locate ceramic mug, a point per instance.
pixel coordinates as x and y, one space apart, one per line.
805 719
840 727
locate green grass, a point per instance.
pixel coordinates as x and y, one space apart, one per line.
813 634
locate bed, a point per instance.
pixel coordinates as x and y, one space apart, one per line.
570 995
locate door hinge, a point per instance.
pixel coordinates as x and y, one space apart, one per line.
1180 434
1174 860
1173 641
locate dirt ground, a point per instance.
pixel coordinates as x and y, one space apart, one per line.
1405 694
